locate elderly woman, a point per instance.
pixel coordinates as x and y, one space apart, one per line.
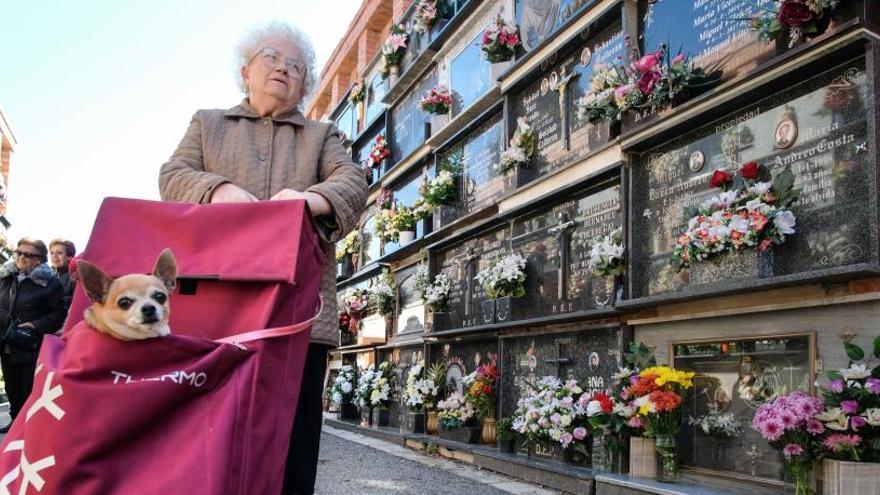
265 149
30 297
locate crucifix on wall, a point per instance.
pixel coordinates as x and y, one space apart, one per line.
561 232
471 273
561 86
561 360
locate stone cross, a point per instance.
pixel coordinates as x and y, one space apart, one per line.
563 110
560 231
753 454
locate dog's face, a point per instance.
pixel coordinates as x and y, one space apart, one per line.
131 307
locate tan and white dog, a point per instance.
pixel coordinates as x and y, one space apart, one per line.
131 307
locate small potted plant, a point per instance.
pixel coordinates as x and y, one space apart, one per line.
343 392
499 45
502 280
437 102
506 435
405 223
392 52
456 416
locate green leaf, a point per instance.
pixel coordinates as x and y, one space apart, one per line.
764 174
875 373
784 181
738 183
877 346
853 352
833 374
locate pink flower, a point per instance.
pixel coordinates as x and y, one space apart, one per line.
788 419
580 433
815 427
397 41
835 386
873 385
678 58
773 430
792 449
648 62
555 419
857 422
566 439
839 442
648 81
635 422
849 406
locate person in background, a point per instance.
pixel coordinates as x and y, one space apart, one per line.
265 149
30 298
61 251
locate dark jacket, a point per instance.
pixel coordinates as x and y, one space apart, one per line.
38 300
67 286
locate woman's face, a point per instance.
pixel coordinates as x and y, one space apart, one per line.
26 258
58 255
275 73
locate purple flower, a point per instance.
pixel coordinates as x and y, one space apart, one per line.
788 420
580 433
873 385
857 422
815 427
792 449
773 430
566 439
849 406
835 386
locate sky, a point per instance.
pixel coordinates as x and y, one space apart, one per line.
99 93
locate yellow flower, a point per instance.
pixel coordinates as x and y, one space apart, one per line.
666 375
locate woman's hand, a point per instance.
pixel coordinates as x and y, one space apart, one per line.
230 193
28 325
318 204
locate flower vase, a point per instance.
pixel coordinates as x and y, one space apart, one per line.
406 237
412 422
346 268
504 309
507 446
348 411
498 69
600 454
439 320
433 423
642 457
846 477
803 480
344 338
488 313
438 121
488 433
667 455
381 418
393 72
366 417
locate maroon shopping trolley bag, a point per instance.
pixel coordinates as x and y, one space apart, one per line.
207 410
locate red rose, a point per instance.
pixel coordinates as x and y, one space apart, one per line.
719 178
750 170
795 13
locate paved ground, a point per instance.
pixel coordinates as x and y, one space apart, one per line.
354 464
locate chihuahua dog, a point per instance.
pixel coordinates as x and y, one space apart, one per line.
131 307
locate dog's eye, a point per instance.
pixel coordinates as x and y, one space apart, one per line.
125 302
160 297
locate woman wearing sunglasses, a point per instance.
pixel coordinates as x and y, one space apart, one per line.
30 307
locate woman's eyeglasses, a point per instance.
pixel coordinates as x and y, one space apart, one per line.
29 256
271 57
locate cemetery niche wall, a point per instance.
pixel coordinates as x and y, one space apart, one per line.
818 129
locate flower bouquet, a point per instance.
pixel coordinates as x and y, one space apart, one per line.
652 81
521 149
356 303
551 413
500 41
437 100
393 50
351 245
421 392
454 416
357 93
422 209
716 424
789 423
606 256
436 294
385 199
795 18
658 394
364 388
382 293
505 277
379 151
342 391
384 226
404 221
380 388
441 189
753 211
481 388
426 14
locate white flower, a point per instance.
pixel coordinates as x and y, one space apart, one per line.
872 416
755 205
739 224
624 410
728 197
594 408
622 374
856 372
834 419
785 221
345 387
760 188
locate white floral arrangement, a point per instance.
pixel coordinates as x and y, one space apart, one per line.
364 388
382 292
521 149
717 424
440 189
551 412
420 393
606 256
436 294
343 388
454 411
425 15
385 227
380 393
504 278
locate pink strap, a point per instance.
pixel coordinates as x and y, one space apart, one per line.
272 332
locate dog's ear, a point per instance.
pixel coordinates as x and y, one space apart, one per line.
166 269
94 281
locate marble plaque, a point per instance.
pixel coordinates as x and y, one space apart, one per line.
539 19
476 155
408 120
556 242
462 359
402 359
461 263
411 310
818 128
468 76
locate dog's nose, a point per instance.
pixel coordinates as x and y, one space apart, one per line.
148 311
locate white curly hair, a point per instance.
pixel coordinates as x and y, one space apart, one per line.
254 40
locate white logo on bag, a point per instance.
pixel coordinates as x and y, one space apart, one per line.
30 472
47 399
178 377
